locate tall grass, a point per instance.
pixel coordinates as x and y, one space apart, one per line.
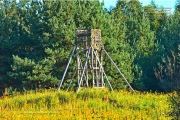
85 104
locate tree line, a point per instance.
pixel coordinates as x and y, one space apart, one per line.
36 38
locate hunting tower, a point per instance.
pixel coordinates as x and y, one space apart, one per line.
89 51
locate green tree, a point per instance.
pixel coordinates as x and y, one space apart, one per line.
177 5
143 63
175 99
168 72
140 37
118 48
9 38
37 37
47 30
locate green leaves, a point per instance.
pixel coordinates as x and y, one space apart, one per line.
31 72
37 37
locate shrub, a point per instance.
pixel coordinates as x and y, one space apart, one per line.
175 105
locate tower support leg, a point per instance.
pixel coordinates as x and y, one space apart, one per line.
83 71
67 67
118 70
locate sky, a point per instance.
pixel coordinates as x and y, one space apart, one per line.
163 3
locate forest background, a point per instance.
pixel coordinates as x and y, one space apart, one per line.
36 39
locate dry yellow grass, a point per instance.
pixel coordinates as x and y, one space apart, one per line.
85 104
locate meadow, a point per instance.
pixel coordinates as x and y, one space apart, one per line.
85 104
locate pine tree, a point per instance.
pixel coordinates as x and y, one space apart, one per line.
175 99
168 71
143 63
36 43
118 47
9 38
141 38
177 5
37 37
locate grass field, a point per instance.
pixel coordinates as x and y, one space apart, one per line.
85 104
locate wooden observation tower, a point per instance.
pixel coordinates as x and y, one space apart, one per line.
89 50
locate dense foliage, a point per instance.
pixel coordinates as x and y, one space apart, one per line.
175 101
37 37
